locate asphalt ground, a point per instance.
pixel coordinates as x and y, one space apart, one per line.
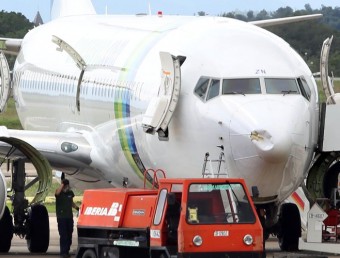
19 247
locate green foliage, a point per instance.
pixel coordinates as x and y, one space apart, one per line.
305 37
14 25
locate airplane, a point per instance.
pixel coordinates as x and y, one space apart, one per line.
104 98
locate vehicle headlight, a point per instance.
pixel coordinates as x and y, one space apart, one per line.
248 239
197 240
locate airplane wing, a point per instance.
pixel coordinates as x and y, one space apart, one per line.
10 46
64 151
279 21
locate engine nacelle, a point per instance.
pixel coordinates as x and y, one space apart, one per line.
3 194
323 176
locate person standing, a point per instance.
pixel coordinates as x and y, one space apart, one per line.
64 204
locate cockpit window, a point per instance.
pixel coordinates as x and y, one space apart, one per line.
208 88
304 88
214 89
281 86
241 86
201 87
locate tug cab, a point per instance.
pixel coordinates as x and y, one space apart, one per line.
183 218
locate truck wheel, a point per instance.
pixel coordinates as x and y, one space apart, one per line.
6 231
89 253
38 237
290 227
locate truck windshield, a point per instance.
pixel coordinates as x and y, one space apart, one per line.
218 204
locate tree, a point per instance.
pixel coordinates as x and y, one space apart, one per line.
262 15
229 15
201 13
283 12
250 15
14 25
308 8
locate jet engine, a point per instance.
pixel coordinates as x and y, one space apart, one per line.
29 220
323 176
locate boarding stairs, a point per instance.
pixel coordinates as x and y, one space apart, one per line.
214 168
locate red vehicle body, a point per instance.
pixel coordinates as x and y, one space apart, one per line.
183 218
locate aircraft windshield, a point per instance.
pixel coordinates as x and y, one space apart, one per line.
241 86
209 88
218 204
281 86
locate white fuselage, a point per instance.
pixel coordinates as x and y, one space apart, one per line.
268 138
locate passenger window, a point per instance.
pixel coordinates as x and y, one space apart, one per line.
201 87
281 86
304 88
241 86
214 89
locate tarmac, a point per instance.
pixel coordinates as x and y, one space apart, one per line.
19 247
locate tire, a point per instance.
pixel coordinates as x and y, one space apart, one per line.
38 237
290 227
6 231
89 253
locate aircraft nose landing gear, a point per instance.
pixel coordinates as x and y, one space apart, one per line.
30 221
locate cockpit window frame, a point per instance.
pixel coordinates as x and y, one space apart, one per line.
213 83
304 88
199 84
284 92
300 87
210 80
245 90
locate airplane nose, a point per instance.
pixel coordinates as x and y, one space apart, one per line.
267 130
271 148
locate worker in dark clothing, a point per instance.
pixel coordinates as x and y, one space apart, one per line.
64 204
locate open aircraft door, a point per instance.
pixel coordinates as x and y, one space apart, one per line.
160 110
326 81
5 81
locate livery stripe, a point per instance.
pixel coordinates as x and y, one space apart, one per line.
297 199
122 105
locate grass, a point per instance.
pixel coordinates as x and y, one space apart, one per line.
10 117
50 199
51 205
55 184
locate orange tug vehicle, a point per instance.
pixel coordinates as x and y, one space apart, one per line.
193 218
